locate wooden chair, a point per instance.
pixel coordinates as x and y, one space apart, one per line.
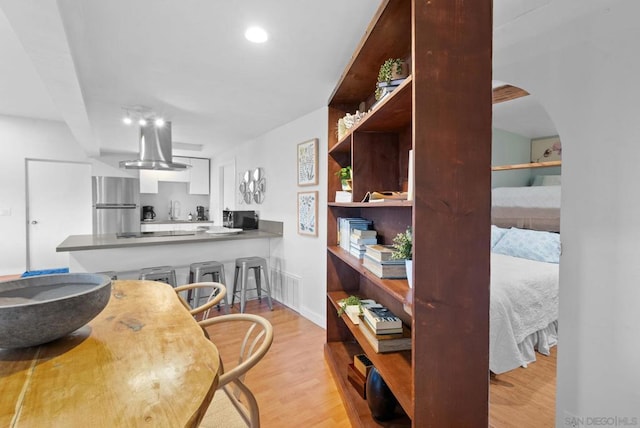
216 295
255 344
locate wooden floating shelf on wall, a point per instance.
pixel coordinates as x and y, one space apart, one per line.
526 165
507 93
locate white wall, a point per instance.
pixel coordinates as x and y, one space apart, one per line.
508 148
580 59
22 138
297 255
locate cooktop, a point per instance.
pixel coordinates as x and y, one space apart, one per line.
154 234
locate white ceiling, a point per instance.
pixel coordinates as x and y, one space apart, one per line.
81 61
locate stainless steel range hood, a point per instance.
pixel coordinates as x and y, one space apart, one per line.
155 149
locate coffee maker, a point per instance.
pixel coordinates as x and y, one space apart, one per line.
147 213
200 216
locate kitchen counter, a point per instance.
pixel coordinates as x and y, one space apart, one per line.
97 242
176 221
126 256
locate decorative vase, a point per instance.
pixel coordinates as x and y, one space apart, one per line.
380 399
409 267
346 185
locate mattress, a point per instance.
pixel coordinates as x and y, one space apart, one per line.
534 207
523 311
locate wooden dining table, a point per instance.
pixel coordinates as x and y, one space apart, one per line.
143 361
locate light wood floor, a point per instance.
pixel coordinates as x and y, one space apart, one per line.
294 387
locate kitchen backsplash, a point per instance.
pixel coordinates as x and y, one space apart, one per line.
173 191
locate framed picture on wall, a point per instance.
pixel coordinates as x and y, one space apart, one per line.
546 149
308 163
308 213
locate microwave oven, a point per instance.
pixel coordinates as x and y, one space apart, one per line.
244 220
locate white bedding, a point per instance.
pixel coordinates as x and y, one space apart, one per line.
534 207
523 311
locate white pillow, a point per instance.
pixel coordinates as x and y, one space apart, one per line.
530 244
496 234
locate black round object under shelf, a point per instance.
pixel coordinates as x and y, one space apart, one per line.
380 399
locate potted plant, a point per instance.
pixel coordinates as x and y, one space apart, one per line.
403 250
352 306
345 178
392 69
349 301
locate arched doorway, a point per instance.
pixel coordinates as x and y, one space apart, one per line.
526 171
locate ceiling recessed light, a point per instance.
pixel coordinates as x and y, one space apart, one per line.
142 122
256 35
127 120
159 122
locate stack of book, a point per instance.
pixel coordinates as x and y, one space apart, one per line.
358 372
384 330
377 258
360 239
346 226
387 88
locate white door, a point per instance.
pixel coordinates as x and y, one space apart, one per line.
58 205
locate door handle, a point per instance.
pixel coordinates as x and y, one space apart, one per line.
34 222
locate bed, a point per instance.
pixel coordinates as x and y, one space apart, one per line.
524 296
532 207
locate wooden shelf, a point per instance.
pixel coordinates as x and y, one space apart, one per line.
397 288
526 165
386 204
395 367
388 35
393 113
339 355
449 356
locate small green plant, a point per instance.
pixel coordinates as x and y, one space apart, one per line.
402 245
391 67
349 301
344 173
387 69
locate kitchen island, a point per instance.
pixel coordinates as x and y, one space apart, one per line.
127 255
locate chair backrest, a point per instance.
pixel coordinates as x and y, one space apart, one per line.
216 291
255 344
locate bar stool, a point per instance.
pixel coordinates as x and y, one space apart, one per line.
110 273
197 271
164 274
259 265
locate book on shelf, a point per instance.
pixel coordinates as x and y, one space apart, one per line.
362 241
385 343
385 196
382 319
380 253
343 196
358 246
394 83
357 380
364 233
345 227
354 312
362 363
356 252
387 333
391 269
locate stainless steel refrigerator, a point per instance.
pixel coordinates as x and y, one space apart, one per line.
116 205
